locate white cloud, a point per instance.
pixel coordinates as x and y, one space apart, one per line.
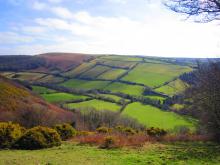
39 5
55 1
14 38
62 12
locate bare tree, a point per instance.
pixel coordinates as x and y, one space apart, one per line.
205 97
202 10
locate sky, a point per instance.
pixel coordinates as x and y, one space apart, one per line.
125 27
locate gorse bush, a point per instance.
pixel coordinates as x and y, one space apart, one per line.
157 132
9 133
103 130
65 131
37 138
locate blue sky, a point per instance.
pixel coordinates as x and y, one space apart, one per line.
140 27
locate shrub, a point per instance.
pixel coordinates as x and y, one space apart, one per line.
84 133
37 138
103 130
109 142
129 131
182 130
9 133
65 131
157 132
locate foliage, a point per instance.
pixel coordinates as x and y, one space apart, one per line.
103 130
157 132
109 142
65 131
9 133
37 138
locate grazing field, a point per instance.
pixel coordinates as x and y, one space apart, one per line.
61 97
28 76
153 97
83 84
51 79
80 69
122 58
96 104
112 74
125 88
42 90
196 153
154 75
114 97
95 72
173 87
154 117
116 63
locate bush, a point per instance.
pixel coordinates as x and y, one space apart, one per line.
157 132
9 133
65 131
37 138
103 130
109 142
84 133
129 131
182 130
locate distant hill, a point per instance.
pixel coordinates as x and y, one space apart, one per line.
19 104
49 62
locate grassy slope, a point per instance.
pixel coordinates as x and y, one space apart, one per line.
155 74
154 117
42 90
83 84
51 79
112 74
60 97
173 87
94 72
152 154
97 104
125 88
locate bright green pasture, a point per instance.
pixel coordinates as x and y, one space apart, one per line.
112 74
80 69
125 88
83 84
116 63
42 90
51 79
154 75
154 97
96 71
68 153
154 117
114 97
96 104
173 87
60 97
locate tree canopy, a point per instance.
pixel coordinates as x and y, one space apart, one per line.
202 10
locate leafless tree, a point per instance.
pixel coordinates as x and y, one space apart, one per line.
202 10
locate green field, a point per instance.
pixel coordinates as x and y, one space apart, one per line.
173 87
61 97
95 72
51 79
153 97
42 90
125 88
96 104
154 117
122 58
80 69
114 97
154 75
112 74
196 153
28 76
83 84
